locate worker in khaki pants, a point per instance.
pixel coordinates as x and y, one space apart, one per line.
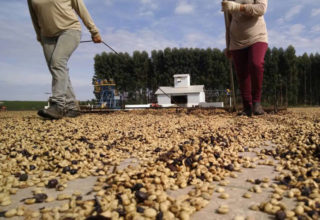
58 30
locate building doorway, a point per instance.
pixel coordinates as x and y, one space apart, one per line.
179 100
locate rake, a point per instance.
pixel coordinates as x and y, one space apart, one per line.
227 25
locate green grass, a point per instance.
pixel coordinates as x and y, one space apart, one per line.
23 105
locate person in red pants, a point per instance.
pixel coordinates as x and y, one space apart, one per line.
247 43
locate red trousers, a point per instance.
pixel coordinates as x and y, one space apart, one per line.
249 64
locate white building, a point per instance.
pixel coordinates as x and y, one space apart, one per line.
182 93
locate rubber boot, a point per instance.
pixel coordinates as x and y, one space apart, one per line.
257 109
247 111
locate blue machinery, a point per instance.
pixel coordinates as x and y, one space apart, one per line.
106 94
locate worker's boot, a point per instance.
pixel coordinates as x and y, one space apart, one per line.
257 109
72 113
247 111
53 112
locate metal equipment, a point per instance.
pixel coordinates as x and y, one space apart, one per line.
217 95
106 94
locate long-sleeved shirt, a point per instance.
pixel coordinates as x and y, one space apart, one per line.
51 17
248 26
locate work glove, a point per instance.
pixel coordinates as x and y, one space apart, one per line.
228 6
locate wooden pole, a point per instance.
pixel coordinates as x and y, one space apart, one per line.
227 25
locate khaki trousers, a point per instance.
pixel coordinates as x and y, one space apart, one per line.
57 51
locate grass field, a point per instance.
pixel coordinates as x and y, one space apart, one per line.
23 105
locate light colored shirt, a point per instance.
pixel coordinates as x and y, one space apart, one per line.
248 27
51 17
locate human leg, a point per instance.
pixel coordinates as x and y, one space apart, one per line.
48 45
256 68
66 44
53 112
240 59
57 52
70 97
71 108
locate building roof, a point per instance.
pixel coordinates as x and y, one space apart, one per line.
181 75
180 90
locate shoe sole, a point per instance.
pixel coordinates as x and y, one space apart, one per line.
47 116
72 113
72 116
42 114
244 114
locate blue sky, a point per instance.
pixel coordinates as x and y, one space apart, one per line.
129 25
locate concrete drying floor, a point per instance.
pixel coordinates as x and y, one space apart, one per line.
140 135
238 205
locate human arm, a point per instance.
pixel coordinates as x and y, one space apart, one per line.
257 9
231 6
80 8
34 21
97 39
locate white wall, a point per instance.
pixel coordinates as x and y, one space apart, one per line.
182 81
212 104
202 97
163 100
193 99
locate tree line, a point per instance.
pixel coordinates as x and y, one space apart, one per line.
288 79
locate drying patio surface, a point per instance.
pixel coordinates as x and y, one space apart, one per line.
160 164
